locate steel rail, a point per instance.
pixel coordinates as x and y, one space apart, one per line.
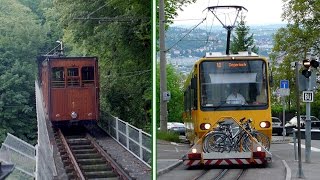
221 174
123 175
70 154
241 173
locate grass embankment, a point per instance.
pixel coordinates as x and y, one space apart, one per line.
168 136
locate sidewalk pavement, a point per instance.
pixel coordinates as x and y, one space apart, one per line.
169 156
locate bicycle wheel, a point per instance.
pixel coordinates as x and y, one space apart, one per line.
261 138
215 142
245 143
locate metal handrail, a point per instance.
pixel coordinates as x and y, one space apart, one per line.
128 138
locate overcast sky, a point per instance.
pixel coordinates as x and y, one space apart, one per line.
259 12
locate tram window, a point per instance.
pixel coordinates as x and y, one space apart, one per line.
73 72
57 77
217 77
87 74
73 79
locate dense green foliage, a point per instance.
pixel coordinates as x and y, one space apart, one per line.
242 40
295 42
117 32
21 38
172 6
168 136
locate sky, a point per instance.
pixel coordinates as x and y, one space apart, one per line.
260 12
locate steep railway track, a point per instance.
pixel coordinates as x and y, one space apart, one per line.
83 158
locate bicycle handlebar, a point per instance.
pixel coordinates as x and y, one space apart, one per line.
241 120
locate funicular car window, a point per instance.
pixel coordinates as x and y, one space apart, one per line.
57 77
87 74
73 77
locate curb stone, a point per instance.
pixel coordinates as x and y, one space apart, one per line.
167 169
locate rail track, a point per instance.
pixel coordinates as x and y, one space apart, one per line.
230 174
83 158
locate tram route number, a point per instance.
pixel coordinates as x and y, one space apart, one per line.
307 96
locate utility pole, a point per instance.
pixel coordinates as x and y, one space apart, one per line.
308 98
308 126
163 73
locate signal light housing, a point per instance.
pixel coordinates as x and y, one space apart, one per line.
314 63
307 64
306 73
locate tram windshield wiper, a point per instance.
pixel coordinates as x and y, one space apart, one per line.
222 103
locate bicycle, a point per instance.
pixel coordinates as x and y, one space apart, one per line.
224 139
259 136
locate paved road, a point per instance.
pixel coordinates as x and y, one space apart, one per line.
283 166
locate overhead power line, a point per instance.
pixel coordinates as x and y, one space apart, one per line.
129 74
185 35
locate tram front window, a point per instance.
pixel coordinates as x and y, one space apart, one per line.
228 84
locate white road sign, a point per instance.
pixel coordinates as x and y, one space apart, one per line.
307 96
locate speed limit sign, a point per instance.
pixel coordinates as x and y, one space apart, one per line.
307 96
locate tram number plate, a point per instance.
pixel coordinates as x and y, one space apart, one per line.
307 96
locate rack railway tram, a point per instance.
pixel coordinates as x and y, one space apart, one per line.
208 102
70 89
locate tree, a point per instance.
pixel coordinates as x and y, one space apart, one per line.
119 33
171 7
21 38
296 40
242 40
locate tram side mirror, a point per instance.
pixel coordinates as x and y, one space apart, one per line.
194 83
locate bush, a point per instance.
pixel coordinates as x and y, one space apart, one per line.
168 136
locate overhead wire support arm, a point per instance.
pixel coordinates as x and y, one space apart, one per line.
230 27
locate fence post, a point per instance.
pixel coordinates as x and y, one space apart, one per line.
127 135
140 144
36 173
117 126
109 124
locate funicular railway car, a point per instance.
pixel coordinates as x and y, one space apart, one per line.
220 91
70 88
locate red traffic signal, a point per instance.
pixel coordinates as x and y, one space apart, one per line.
307 63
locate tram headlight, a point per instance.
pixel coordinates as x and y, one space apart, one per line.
205 126
264 124
259 149
74 115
